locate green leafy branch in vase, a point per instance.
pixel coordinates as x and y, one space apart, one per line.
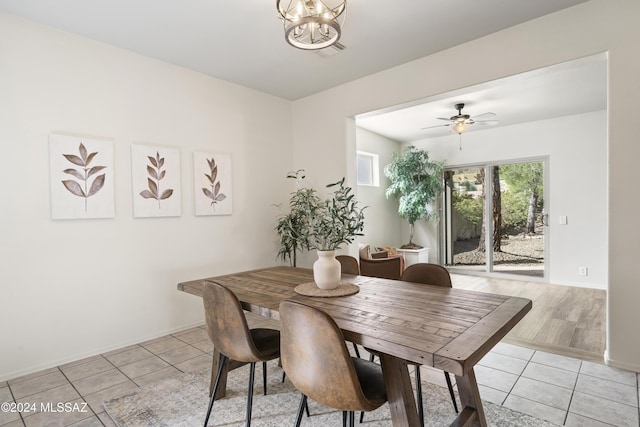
214 194
156 174
83 174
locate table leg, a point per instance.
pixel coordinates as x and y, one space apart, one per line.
399 392
472 412
222 388
229 365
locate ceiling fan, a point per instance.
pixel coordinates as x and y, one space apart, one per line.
461 122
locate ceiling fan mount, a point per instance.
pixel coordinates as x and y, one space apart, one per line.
459 117
459 123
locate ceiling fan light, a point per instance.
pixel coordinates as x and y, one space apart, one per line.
459 127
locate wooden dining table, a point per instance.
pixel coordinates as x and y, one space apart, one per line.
446 328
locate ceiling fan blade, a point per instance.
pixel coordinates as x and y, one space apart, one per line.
486 122
436 126
487 114
444 118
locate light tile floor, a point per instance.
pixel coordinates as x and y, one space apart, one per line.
562 390
559 389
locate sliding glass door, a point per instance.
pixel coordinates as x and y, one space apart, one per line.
494 217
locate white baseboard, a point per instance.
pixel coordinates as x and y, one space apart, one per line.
633 367
6 376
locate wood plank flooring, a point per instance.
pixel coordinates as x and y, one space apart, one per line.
564 320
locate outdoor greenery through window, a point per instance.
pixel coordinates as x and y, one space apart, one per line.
495 218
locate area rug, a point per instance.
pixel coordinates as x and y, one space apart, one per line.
182 402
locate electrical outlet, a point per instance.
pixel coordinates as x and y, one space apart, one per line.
583 271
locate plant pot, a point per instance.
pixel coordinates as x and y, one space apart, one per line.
326 270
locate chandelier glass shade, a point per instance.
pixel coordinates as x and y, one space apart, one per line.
312 24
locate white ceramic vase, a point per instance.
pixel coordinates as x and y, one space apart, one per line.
327 270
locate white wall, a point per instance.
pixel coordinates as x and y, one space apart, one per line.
576 147
580 31
74 288
382 225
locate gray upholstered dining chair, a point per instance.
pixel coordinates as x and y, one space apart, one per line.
349 264
385 268
230 334
316 360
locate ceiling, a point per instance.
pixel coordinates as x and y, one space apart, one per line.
575 87
242 41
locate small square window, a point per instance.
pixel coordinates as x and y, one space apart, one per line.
368 169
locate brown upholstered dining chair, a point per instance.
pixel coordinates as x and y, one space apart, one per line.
427 273
231 337
349 264
385 268
437 275
316 360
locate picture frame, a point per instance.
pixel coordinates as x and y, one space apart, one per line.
81 177
156 179
212 183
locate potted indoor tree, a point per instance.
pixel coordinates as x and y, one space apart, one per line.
416 182
293 227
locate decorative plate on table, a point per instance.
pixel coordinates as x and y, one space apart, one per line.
311 290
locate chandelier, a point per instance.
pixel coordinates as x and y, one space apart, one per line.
312 24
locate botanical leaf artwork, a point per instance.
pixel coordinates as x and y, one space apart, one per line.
213 186
214 192
87 183
81 176
156 174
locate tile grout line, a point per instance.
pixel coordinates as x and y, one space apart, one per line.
13 396
80 394
573 392
518 379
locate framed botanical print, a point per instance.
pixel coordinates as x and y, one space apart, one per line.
82 177
212 183
155 176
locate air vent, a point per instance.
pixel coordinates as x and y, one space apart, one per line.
332 50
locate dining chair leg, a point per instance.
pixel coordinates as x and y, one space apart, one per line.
264 377
306 406
221 363
344 418
419 395
450 386
303 404
352 419
355 348
371 358
252 373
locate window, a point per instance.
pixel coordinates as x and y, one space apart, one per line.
368 169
